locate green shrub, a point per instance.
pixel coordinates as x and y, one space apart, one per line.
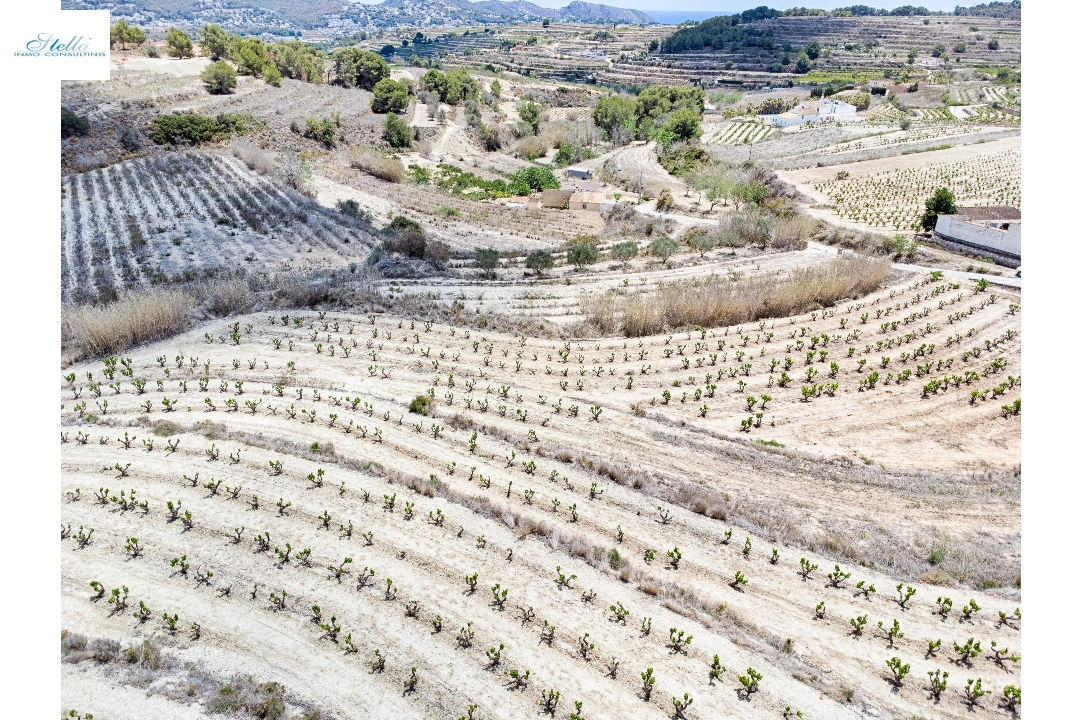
72 124
188 128
360 68
177 43
487 259
397 133
219 78
539 261
535 178
420 404
582 254
389 96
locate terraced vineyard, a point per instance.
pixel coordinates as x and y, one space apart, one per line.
519 536
895 198
738 133
181 214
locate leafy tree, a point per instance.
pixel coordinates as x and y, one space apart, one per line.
545 22
387 50
653 101
702 243
249 55
614 113
683 124
663 247
582 254
487 259
993 44
941 203
813 49
360 68
271 75
453 87
213 41
178 44
539 261
803 63
531 115
535 177
297 60
123 34
72 124
495 88
219 78
389 96
397 133
625 251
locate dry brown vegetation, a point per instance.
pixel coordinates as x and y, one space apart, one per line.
94 330
715 301
377 164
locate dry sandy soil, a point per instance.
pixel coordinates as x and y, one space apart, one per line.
907 475
619 463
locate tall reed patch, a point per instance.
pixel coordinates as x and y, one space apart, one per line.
718 301
92 330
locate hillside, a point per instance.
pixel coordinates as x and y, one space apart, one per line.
291 16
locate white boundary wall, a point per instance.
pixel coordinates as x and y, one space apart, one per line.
962 231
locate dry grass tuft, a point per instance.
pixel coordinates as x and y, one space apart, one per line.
377 164
92 330
248 153
718 301
792 233
229 296
531 147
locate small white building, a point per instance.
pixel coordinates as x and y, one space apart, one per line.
997 229
813 111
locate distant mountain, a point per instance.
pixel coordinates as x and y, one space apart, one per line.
390 13
345 17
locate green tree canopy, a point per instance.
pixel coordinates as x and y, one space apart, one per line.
582 254
941 203
178 44
123 34
389 96
539 261
683 124
487 259
298 60
397 133
625 251
536 177
803 64
614 112
213 41
663 247
702 242
360 68
249 55
530 113
219 78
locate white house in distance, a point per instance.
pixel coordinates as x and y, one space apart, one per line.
813 111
